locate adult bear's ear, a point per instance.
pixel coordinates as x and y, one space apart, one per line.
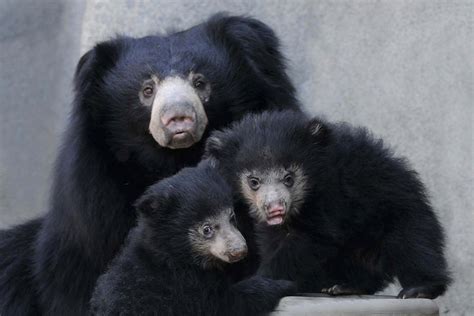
318 131
255 43
94 64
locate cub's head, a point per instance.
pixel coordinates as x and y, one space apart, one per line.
168 90
270 159
190 216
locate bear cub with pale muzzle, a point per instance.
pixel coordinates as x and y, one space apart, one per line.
177 259
335 210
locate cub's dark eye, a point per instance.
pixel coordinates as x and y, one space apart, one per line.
254 183
207 231
148 92
288 180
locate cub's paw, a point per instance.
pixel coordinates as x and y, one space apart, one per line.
341 289
275 288
285 288
430 292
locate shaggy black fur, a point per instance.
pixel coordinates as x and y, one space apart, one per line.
365 218
16 247
108 158
159 272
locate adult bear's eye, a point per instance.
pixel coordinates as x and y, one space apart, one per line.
232 218
288 180
148 92
199 82
207 231
254 183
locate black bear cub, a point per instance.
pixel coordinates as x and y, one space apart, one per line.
335 210
176 260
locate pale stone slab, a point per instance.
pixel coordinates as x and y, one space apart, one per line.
366 305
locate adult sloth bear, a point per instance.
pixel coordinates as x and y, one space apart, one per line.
336 210
177 259
142 109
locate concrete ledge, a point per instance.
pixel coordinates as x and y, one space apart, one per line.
321 304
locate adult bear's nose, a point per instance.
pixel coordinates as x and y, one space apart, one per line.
178 113
179 123
178 119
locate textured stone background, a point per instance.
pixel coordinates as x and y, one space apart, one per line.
402 68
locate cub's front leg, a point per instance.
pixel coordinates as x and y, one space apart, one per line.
291 256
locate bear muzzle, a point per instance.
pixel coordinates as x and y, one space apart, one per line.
178 119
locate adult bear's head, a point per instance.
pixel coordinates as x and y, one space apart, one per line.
170 90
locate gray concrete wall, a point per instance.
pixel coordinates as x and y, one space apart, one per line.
39 47
402 68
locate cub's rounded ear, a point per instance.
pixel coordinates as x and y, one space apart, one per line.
155 201
319 131
93 65
214 146
147 204
210 162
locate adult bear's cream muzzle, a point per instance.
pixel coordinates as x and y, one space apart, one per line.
178 119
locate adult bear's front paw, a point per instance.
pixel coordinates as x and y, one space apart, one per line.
258 285
285 287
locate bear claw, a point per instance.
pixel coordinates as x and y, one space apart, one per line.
340 290
416 292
